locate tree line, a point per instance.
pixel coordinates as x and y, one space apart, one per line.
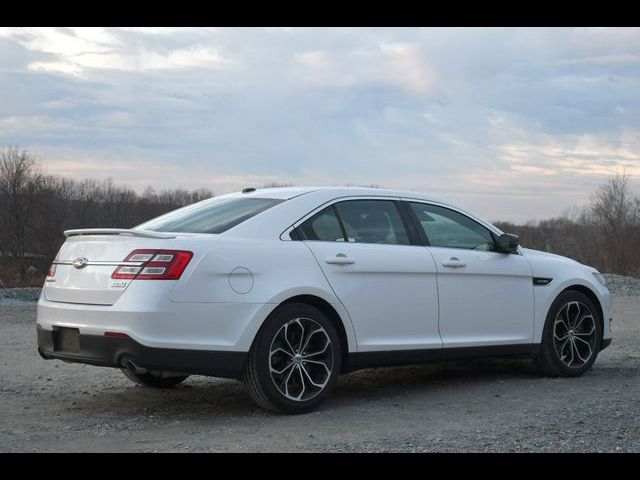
36 208
604 233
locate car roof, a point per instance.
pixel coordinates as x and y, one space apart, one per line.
269 223
286 193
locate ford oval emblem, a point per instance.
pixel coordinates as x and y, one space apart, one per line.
80 262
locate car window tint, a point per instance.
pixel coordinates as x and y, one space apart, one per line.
323 226
372 221
448 228
210 216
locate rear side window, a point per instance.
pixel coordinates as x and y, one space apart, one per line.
214 216
323 226
448 228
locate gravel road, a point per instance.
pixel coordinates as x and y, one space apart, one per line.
477 405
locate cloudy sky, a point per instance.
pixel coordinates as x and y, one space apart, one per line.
513 124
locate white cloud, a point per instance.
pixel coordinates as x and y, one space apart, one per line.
475 115
396 65
408 68
73 51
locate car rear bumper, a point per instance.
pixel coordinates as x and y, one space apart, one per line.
159 323
107 351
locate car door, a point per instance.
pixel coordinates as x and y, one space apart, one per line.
485 296
385 281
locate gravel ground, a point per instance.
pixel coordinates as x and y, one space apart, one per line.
476 405
621 285
18 296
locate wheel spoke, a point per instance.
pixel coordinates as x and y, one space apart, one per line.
564 324
585 360
564 344
286 337
280 349
572 323
324 365
582 341
319 385
301 335
302 382
571 351
280 372
582 319
324 349
306 342
327 343
565 314
589 333
286 382
563 354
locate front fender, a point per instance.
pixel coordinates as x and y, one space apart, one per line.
565 273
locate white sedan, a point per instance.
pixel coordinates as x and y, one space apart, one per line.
287 288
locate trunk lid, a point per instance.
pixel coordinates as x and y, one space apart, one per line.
102 251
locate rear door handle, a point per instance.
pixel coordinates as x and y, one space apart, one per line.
339 259
454 262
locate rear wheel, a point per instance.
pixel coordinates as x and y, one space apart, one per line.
154 380
294 361
571 337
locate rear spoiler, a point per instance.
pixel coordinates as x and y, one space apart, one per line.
118 231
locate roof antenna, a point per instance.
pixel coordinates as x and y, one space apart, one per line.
248 190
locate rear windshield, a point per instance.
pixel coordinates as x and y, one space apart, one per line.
210 216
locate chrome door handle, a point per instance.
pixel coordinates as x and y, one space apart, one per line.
454 262
339 259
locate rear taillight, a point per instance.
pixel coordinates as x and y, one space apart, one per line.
52 271
153 265
52 268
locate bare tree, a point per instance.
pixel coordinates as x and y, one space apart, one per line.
604 233
20 181
54 208
616 213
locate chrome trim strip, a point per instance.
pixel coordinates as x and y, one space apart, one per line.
99 263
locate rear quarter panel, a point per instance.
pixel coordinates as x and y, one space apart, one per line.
259 272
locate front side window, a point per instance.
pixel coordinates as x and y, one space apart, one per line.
448 228
214 216
372 221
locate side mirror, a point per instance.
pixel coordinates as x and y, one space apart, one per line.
507 243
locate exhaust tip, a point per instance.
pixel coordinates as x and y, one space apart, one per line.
129 364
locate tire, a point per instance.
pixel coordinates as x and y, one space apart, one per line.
570 345
151 380
294 361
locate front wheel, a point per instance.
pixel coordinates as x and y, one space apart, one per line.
294 361
571 337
